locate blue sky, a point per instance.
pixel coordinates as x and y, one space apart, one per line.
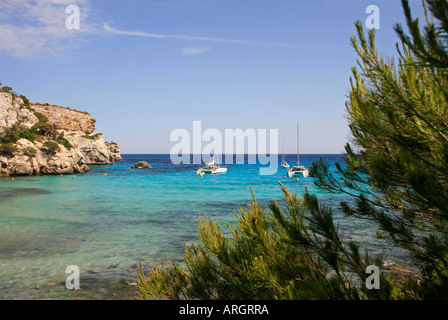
143 68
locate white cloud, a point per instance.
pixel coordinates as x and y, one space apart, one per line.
37 28
192 51
192 38
31 28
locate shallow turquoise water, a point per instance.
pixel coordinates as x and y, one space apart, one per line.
105 225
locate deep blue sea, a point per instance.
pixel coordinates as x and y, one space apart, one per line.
106 224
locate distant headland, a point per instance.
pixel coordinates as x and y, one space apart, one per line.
40 138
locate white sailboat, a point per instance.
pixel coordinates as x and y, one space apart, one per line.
212 167
284 163
298 169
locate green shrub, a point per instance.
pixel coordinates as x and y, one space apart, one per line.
26 102
6 89
60 136
51 146
29 151
11 135
9 90
65 143
28 134
92 137
44 128
8 149
41 117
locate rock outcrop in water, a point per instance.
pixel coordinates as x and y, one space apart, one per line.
40 138
141 165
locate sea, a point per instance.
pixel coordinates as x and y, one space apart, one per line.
111 218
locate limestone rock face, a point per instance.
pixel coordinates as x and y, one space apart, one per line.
66 119
26 119
8 113
34 157
115 149
13 112
94 150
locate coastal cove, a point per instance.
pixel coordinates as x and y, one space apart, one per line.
112 217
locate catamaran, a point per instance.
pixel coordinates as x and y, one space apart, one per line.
284 163
298 169
211 167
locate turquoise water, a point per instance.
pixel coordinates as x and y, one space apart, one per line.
105 225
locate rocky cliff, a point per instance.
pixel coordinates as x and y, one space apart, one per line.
66 119
40 138
12 111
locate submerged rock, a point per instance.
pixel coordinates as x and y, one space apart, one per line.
141 165
103 267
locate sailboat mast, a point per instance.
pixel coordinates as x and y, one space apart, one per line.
298 144
283 150
214 147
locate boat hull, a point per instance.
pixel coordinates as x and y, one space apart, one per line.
301 171
214 171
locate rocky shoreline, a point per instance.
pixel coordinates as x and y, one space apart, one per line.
38 138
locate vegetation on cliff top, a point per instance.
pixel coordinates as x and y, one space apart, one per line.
67 108
27 103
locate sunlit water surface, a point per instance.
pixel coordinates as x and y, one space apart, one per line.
107 224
